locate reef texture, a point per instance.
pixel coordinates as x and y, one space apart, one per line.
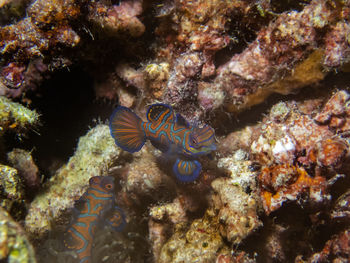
25 165
95 152
271 77
15 246
199 243
11 189
16 117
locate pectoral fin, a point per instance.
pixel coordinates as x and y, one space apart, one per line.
116 219
187 170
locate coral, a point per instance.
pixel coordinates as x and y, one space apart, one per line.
285 56
157 76
336 249
341 210
14 116
337 45
15 247
175 211
120 18
12 10
15 79
144 177
276 49
158 235
237 210
11 189
281 142
199 243
23 162
94 154
239 169
238 257
284 182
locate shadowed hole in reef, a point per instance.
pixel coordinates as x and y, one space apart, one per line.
67 106
280 6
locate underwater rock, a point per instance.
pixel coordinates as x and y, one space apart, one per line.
14 116
337 45
249 77
157 76
282 142
336 249
11 191
144 178
94 155
237 210
16 79
240 169
341 210
237 257
158 235
117 18
282 183
200 243
22 161
14 245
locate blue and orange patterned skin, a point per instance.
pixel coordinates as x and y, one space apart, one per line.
168 132
95 206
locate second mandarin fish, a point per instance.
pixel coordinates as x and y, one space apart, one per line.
169 133
95 206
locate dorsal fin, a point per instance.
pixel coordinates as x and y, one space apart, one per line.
160 113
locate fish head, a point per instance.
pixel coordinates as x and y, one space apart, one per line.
202 140
105 183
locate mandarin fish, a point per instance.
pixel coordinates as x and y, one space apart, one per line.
168 132
96 206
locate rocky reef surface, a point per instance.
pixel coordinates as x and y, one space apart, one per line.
270 77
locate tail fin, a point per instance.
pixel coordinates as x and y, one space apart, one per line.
125 127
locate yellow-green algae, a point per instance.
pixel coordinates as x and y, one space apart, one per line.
14 245
11 188
201 243
95 153
15 116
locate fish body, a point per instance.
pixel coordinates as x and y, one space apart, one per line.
168 132
96 205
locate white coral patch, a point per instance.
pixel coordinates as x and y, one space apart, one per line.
284 150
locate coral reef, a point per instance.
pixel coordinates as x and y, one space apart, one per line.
93 156
14 116
15 246
23 162
269 77
336 249
11 191
199 243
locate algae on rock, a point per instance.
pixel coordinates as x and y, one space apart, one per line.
15 116
14 245
95 153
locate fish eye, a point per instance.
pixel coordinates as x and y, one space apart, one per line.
109 186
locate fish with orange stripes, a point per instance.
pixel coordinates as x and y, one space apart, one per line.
168 132
95 207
